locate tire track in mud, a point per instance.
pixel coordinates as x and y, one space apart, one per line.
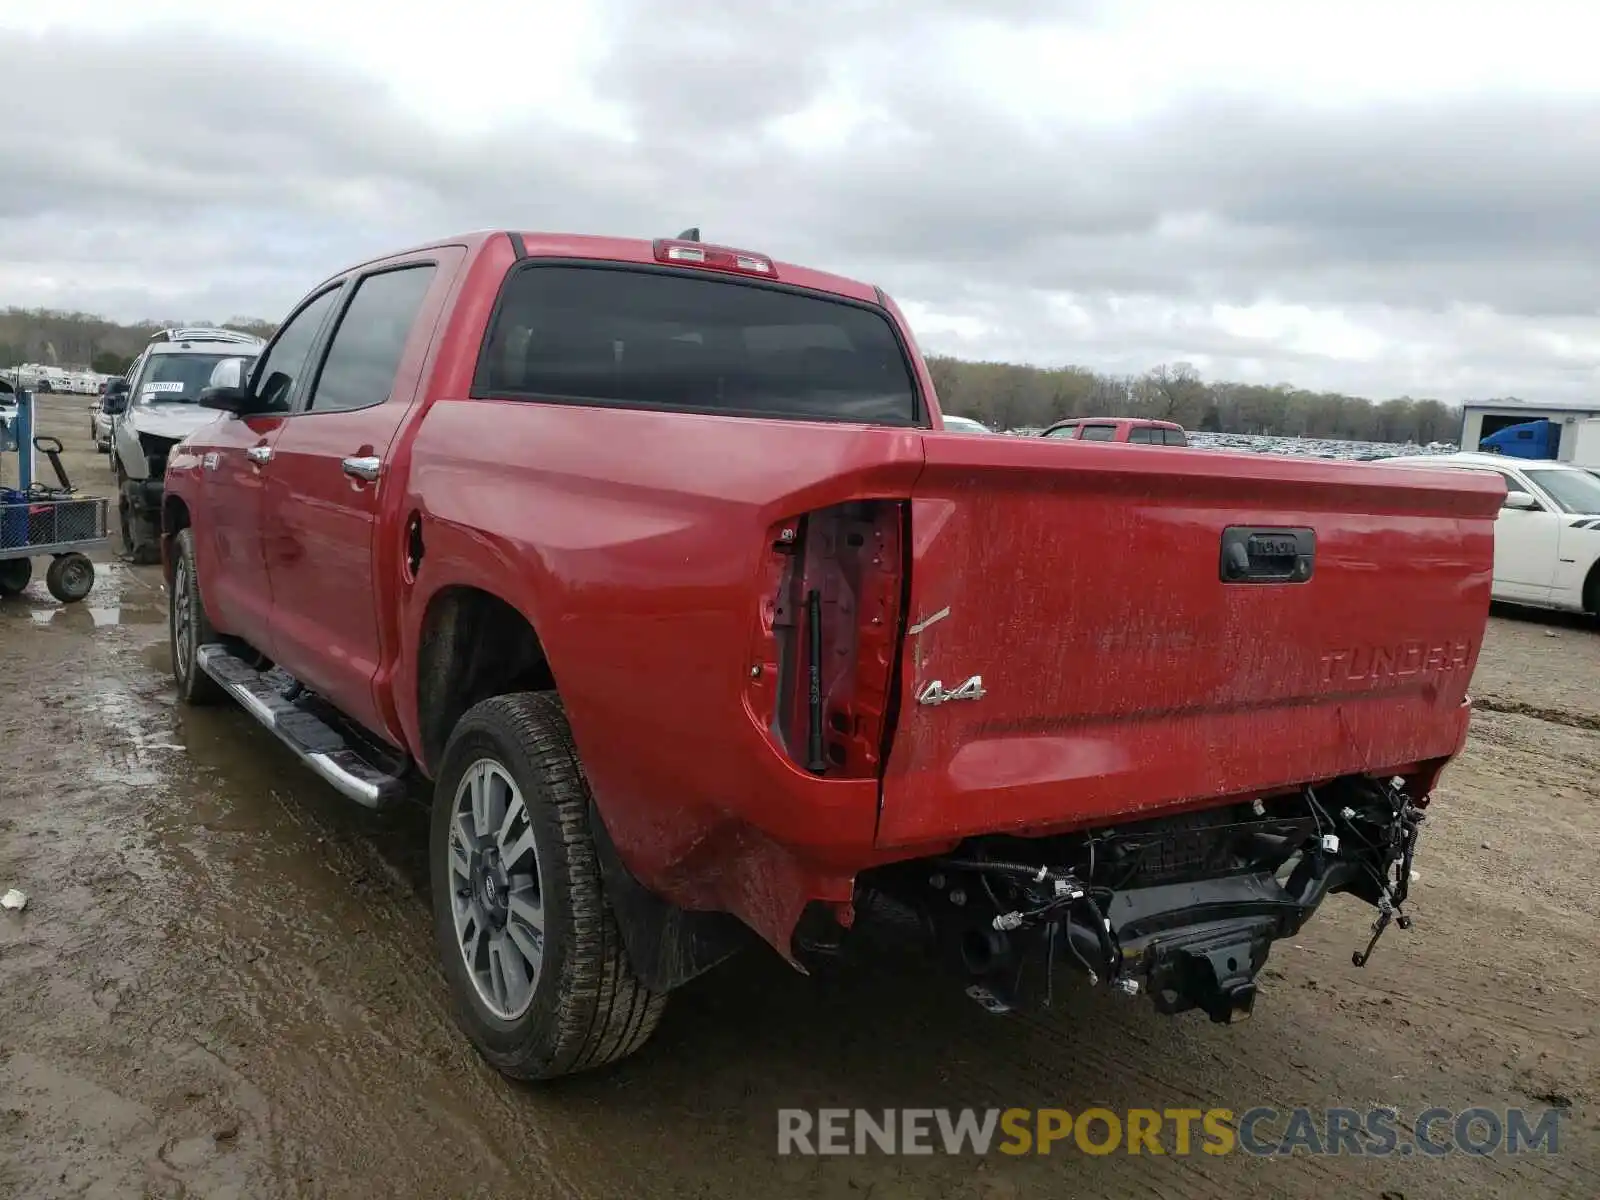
1521 708
365 962
110 735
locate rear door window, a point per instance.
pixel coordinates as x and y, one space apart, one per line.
653 339
1142 435
364 356
1099 433
1176 437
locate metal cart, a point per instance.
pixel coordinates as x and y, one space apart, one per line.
37 520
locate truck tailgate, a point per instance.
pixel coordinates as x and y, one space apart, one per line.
1121 675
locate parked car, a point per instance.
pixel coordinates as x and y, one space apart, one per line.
646 556
102 413
158 409
1547 540
1135 430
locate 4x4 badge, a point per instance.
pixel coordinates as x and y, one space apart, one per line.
934 693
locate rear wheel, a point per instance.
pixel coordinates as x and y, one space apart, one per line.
189 627
14 575
541 982
70 577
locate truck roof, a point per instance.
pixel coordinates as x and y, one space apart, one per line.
544 244
1131 422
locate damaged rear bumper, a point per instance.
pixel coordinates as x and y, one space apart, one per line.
1186 911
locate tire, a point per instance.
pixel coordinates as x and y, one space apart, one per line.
584 1008
14 575
138 536
70 577
124 509
186 613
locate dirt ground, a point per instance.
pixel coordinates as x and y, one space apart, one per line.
224 983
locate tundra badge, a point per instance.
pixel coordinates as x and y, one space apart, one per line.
934 693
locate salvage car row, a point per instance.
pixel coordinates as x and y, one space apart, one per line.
808 665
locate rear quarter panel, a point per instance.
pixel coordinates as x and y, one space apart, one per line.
633 542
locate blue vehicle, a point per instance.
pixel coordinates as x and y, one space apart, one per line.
1528 439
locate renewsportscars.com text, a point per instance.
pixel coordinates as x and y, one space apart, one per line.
1376 1132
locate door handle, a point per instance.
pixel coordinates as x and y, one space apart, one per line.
260 454
363 467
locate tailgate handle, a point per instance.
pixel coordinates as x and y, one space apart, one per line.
1259 555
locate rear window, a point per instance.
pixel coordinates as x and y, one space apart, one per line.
657 340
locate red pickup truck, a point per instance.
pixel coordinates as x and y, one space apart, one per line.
1137 431
654 559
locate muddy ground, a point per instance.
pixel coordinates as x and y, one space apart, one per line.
224 982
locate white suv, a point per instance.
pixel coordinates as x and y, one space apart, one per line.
160 409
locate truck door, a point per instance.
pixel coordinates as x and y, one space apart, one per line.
235 455
329 487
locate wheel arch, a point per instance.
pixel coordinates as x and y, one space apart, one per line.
473 646
175 518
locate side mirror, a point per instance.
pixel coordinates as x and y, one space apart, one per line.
116 402
117 387
1521 501
233 400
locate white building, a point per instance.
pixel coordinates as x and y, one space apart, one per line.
1479 420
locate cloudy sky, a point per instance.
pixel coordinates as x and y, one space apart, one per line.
1384 197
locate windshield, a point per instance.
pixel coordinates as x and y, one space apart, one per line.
178 378
1575 491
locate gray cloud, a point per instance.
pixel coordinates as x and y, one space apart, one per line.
172 173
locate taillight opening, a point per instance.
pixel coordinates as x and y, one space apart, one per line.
831 627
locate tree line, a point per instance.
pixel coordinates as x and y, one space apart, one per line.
1001 395
1013 396
76 340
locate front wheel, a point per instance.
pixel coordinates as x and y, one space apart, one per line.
541 981
188 626
139 537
